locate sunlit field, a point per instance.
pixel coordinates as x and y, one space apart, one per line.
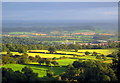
65 62
41 70
65 53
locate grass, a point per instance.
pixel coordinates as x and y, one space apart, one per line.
65 62
19 33
41 70
88 57
84 31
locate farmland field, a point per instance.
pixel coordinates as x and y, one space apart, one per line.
102 51
60 43
41 70
70 53
65 62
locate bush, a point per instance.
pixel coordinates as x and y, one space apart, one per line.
87 53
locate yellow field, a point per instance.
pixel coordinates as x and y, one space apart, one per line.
40 54
48 55
67 52
14 53
102 51
80 52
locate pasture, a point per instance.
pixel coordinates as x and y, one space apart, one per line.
41 70
65 62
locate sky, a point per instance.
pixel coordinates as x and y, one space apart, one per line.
92 11
60 0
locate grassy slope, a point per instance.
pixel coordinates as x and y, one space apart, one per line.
64 62
41 70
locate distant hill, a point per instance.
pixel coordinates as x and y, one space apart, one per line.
46 27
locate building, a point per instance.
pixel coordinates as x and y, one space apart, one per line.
74 42
101 44
85 33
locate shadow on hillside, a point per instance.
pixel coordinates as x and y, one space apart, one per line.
42 65
38 52
81 52
53 53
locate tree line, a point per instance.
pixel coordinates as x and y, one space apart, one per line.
24 47
9 58
26 75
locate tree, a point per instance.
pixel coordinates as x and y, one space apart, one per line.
87 53
76 50
41 61
70 66
98 57
54 58
47 62
21 50
10 76
23 59
94 53
104 57
106 78
54 63
49 73
91 71
31 58
77 64
9 54
52 50
4 48
28 72
38 58
118 66
7 60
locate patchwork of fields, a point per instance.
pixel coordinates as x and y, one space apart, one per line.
41 70
45 53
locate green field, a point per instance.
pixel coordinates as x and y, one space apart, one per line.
17 33
84 31
65 62
41 70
